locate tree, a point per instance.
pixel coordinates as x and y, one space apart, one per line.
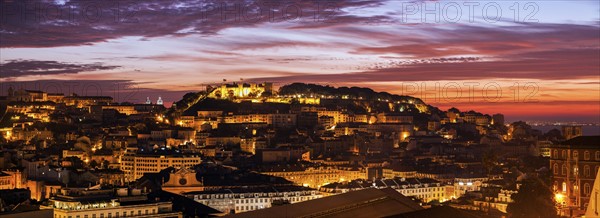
534 199
489 160
93 164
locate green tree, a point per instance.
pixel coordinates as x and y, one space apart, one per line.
534 199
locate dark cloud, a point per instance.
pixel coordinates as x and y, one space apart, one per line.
120 90
49 24
489 41
544 65
19 68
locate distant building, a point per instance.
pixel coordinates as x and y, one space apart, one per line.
370 202
498 119
135 165
316 176
421 188
239 200
241 90
467 184
570 132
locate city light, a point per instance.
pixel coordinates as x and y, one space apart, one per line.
493 112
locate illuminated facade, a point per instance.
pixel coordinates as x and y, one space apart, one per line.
574 164
241 90
239 200
421 188
135 165
318 176
104 204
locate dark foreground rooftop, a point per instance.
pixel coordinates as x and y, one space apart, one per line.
364 203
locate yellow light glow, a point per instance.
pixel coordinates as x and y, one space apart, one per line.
559 197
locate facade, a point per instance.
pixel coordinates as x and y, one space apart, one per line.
135 165
574 164
424 189
11 179
464 185
317 176
570 132
103 204
239 200
241 90
500 202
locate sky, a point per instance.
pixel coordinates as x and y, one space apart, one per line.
530 60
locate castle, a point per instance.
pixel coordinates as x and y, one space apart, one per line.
242 90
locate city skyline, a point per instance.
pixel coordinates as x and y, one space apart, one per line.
549 50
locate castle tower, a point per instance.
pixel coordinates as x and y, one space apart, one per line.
148 100
159 101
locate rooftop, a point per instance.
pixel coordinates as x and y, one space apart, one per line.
363 203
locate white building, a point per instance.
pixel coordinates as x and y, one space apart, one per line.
238 200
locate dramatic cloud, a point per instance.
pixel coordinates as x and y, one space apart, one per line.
19 68
178 44
51 24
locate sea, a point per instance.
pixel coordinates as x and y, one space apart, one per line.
588 130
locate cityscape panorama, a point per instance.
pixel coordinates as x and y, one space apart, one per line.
299 108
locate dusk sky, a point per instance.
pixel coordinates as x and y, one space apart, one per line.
530 61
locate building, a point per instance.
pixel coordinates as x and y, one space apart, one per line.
593 209
11 179
316 176
570 132
370 202
499 202
98 203
237 200
574 164
27 95
135 165
424 189
241 90
86 101
467 184
498 119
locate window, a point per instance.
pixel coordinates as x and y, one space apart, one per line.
586 189
564 187
575 155
586 155
564 154
555 169
586 171
597 155
556 153
564 169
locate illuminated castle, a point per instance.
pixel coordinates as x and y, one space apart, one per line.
241 90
